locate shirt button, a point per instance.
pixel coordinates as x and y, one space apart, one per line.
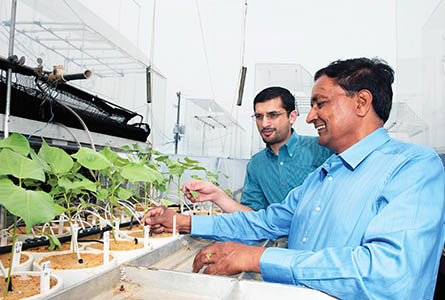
281 163
330 178
318 208
304 240
290 154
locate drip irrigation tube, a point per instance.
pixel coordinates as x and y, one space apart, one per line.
43 241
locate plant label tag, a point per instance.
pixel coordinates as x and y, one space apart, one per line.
102 223
44 277
116 227
17 254
61 223
174 225
146 236
106 247
3 238
74 243
94 220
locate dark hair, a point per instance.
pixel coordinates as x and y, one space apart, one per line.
363 73
287 99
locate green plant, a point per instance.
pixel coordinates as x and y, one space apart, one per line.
33 206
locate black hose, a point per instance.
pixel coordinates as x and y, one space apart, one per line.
43 241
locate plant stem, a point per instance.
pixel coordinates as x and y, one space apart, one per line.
14 238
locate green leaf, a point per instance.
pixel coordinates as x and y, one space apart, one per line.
196 177
102 195
91 159
124 194
228 191
34 207
190 161
162 158
194 194
38 159
126 148
16 142
53 241
72 185
83 203
109 154
19 166
59 209
137 172
59 161
167 202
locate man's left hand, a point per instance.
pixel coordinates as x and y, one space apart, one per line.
228 258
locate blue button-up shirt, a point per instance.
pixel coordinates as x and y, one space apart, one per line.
270 177
367 224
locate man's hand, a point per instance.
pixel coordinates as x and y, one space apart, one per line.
160 219
207 191
228 258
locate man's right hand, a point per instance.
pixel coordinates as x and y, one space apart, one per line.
209 192
206 191
160 219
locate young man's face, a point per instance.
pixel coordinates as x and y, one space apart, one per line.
333 115
272 121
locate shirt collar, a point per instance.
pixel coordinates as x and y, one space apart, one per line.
290 144
355 154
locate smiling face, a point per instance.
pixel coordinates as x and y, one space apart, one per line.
275 125
334 115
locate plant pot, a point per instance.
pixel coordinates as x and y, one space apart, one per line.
26 288
26 261
122 249
156 239
65 266
41 251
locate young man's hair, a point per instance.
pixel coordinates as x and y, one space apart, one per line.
287 99
356 74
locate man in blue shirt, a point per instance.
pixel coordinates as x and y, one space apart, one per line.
283 165
367 224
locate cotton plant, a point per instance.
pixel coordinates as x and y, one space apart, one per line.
69 187
143 172
32 205
176 170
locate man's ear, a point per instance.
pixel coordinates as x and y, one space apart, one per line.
293 116
364 102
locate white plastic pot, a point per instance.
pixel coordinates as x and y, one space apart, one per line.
25 266
124 255
45 295
72 277
38 255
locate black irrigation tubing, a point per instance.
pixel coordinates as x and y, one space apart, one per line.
43 241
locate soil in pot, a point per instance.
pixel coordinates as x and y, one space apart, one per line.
118 245
43 249
6 259
140 234
68 261
23 286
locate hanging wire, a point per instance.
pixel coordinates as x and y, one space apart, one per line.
152 54
205 50
243 50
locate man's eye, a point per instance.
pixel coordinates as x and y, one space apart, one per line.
321 104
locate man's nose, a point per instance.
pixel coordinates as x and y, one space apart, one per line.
311 116
265 121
